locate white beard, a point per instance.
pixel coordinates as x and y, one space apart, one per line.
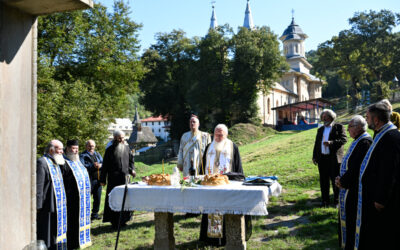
120 149
73 157
59 159
219 146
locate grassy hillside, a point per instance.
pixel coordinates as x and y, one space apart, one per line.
295 220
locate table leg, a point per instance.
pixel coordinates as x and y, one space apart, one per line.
235 232
164 231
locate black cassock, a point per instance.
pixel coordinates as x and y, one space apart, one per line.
114 170
236 169
46 217
72 192
381 184
350 181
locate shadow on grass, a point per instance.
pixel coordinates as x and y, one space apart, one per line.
107 228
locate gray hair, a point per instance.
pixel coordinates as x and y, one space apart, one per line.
387 102
51 145
89 141
223 127
118 133
328 112
359 121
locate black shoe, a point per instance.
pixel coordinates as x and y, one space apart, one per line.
95 217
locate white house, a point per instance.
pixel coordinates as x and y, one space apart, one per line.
159 126
123 124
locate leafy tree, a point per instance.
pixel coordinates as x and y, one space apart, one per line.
257 64
211 92
165 86
217 77
87 69
365 55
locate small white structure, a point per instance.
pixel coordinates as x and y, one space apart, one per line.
123 124
159 126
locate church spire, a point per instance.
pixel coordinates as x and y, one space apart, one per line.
136 120
213 23
248 19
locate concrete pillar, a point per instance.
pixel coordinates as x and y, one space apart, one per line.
164 227
235 232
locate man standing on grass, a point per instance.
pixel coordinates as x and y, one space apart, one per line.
378 210
328 154
348 180
77 188
92 161
118 162
51 217
221 157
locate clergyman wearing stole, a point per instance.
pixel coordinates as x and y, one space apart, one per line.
192 146
221 156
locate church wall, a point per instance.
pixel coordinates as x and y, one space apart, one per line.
17 128
271 100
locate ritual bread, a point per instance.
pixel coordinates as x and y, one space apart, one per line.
159 180
215 180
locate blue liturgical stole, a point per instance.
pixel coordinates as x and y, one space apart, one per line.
343 192
387 127
82 179
61 203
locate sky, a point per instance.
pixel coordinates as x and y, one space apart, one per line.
319 19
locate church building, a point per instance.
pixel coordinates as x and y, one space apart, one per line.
297 97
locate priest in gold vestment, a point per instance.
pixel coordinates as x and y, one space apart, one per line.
192 146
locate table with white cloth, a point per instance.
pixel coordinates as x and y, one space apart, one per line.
234 200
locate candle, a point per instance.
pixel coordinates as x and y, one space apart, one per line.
163 166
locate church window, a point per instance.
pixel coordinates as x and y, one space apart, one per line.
152 123
277 103
268 106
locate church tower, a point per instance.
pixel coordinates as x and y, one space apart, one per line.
248 19
293 41
213 23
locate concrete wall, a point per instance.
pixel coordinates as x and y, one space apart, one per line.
17 128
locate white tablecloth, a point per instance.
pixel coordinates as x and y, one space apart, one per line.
233 198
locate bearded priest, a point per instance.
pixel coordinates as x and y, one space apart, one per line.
51 217
221 156
117 163
77 187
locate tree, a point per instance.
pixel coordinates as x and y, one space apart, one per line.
87 69
365 55
211 92
257 64
165 86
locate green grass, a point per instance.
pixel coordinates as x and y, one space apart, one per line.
294 222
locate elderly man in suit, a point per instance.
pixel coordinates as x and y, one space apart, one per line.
328 154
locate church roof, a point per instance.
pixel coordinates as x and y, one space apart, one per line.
248 18
293 32
155 119
213 23
279 86
308 75
144 135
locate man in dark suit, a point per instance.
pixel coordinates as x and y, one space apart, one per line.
328 154
92 161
